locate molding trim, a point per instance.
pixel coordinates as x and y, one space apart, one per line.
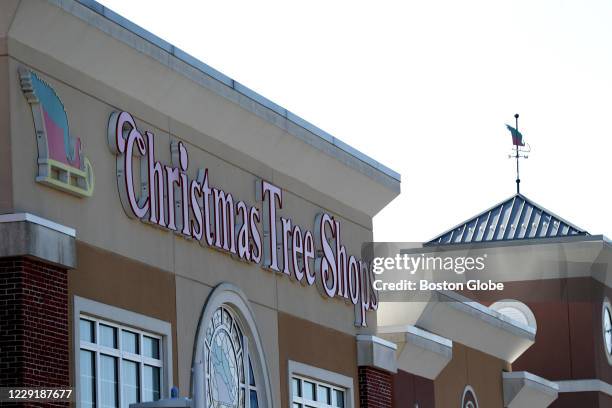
377 340
592 385
35 219
33 236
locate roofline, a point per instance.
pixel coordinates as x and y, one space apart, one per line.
518 242
534 204
235 85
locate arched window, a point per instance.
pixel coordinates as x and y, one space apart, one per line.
606 322
517 311
229 348
469 400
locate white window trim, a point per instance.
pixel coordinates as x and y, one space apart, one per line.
101 311
518 305
468 388
605 305
321 375
230 295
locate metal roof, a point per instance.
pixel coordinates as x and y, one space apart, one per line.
513 219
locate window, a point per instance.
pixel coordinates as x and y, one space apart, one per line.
119 365
309 393
606 327
229 352
229 372
469 400
312 387
517 311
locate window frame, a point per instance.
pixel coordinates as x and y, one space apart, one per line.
466 390
230 296
319 376
101 313
605 306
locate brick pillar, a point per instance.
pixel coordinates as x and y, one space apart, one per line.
34 344
375 388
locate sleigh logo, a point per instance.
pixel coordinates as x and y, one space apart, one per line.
61 163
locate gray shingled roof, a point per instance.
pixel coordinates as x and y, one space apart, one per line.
513 219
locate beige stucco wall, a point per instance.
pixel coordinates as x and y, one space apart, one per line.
100 220
95 75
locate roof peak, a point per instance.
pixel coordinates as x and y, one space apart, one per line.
515 218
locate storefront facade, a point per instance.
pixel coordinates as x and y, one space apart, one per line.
544 340
164 226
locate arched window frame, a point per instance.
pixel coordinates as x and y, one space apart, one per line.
468 390
518 305
230 296
606 306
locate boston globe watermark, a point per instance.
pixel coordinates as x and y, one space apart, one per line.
411 271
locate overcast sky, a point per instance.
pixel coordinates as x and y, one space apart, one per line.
425 87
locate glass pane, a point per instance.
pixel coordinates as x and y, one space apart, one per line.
324 395
150 384
339 398
240 369
130 382
296 405
108 336
87 379
254 399
150 347
296 385
129 341
308 389
87 332
251 375
108 381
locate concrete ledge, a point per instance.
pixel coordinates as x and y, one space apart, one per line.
593 385
29 235
376 352
460 319
526 390
419 352
165 403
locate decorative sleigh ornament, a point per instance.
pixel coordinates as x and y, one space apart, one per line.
61 164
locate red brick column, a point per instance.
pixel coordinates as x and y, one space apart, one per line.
33 324
375 388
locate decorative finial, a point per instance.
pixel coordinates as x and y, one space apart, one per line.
518 153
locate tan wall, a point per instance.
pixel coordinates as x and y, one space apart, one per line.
132 265
470 367
118 281
6 182
100 220
304 342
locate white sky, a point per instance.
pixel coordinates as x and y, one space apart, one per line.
425 87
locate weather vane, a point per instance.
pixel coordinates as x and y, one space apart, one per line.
520 150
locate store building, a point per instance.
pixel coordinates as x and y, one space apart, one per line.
163 225
557 280
544 340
